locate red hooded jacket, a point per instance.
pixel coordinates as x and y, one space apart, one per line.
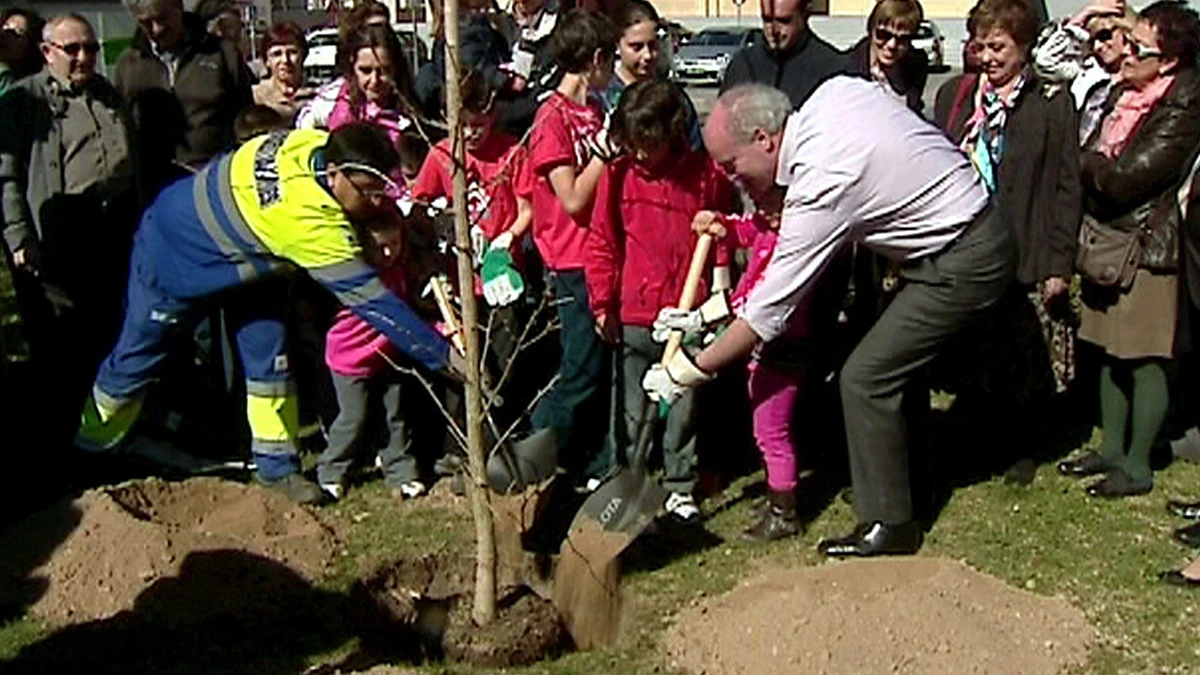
640 242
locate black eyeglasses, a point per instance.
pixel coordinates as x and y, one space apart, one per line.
1103 35
73 48
885 35
12 32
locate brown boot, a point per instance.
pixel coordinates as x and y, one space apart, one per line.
777 521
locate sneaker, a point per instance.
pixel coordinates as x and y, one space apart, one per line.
334 490
297 488
682 507
410 490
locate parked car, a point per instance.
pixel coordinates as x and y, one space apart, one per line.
321 63
705 56
930 39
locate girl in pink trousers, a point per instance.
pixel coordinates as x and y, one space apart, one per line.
776 370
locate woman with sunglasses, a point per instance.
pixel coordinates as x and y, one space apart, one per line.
1020 136
20 34
886 54
1085 52
1131 170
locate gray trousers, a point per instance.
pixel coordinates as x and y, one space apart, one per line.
942 294
354 396
633 358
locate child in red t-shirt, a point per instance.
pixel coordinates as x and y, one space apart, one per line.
567 152
498 215
495 161
638 256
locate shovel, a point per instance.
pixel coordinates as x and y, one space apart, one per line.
629 500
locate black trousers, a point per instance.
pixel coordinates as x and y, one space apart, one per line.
942 294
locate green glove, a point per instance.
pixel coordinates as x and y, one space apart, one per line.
502 284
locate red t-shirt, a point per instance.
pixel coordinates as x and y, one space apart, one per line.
559 130
492 173
641 239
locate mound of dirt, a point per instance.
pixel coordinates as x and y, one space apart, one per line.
924 616
130 535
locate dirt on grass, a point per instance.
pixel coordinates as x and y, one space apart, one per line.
130 535
918 615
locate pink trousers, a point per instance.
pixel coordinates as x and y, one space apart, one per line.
773 397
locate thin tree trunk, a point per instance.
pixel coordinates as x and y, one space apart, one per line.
484 609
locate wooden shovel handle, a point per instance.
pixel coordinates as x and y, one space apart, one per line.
442 295
691 284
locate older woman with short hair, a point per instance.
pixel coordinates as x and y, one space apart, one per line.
1021 138
282 50
886 54
1132 170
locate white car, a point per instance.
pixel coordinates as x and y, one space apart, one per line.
704 57
930 39
321 62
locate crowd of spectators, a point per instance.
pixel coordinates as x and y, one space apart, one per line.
590 181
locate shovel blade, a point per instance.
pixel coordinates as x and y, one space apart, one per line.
626 503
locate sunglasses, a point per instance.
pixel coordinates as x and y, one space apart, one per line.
390 190
1141 52
884 35
12 32
1103 35
73 48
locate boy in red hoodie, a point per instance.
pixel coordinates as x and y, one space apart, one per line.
638 256
567 154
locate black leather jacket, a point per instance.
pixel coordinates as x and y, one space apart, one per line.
1138 189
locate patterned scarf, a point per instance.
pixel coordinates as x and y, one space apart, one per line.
1131 110
983 141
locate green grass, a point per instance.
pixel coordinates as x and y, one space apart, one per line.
1048 538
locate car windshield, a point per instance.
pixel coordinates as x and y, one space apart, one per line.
716 39
323 40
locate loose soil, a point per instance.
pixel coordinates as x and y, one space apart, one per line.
418 609
127 537
917 615
587 584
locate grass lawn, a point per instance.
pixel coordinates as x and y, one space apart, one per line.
1048 538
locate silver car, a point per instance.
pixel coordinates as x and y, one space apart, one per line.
705 56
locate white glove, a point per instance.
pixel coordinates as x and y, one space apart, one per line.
504 240
671 319
479 244
669 382
438 206
659 386
715 309
600 145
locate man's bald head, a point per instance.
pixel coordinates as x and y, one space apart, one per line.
783 23
744 132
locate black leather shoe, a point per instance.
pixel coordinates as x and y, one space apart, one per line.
1188 536
1189 510
1116 484
1090 464
869 539
1176 578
